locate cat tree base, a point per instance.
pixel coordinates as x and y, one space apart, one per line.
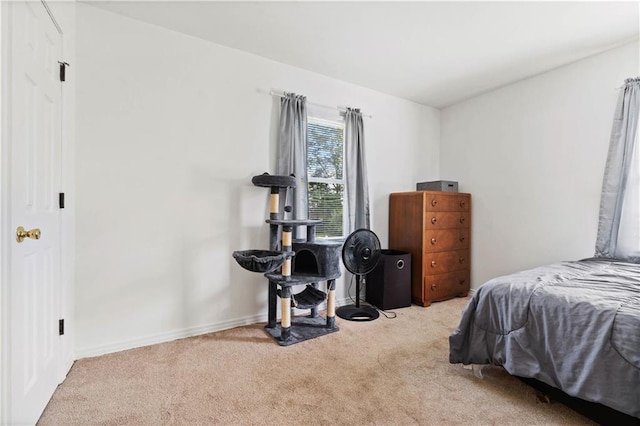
302 328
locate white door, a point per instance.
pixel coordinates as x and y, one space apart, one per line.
35 134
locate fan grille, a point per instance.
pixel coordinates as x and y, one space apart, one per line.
361 251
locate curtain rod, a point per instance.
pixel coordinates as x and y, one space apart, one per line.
628 80
339 107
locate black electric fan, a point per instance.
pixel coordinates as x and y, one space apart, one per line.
360 254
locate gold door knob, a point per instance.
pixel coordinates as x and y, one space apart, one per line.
21 234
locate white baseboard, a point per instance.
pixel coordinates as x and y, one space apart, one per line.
187 332
168 336
179 334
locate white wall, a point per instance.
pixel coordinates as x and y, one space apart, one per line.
532 154
170 130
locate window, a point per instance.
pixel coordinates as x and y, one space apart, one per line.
325 169
629 230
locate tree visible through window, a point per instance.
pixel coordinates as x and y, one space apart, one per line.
325 168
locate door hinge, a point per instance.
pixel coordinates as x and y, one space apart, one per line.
61 327
61 200
63 69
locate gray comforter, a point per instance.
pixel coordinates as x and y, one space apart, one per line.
572 325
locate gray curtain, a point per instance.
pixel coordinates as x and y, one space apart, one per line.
292 153
617 170
356 171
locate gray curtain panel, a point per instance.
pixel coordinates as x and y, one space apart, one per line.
616 174
356 171
292 153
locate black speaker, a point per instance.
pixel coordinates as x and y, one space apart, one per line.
389 284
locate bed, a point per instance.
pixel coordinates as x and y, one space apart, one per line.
573 325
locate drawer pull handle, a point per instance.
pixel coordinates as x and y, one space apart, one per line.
462 203
461 259
433 287
434 220
461 219
433 263
462 282
461 239
434 202
433 241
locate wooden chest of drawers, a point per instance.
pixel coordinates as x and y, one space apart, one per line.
435 227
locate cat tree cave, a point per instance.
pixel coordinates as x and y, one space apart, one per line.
292 263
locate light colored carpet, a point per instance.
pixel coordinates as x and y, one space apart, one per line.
383 372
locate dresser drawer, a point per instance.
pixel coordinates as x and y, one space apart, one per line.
446 239
445 286
444 220
446 261
444 202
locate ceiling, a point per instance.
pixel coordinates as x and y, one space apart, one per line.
433 53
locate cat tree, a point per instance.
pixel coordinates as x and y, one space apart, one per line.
290 263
